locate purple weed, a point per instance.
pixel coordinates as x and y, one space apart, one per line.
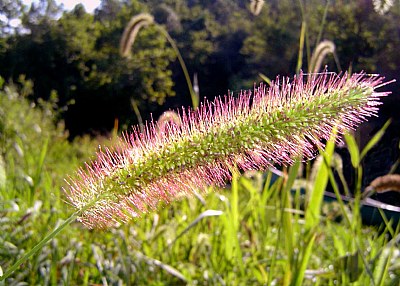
274 125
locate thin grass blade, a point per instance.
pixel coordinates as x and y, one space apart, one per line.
353 150
313 211
298 281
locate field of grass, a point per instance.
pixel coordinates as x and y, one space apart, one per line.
259 230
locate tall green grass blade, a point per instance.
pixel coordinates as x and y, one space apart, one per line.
298 281
337 242
287 216
355 225
234 201
375 139
339 170
41 159
353 150
287 222
312 216
3 176
388 224
301 46
288 237
137 113
393 242
248 185
235 220
265 78
193 95
293 171
267 192
231 224
268 189
40 245
382 267
322 23
123 248
39 168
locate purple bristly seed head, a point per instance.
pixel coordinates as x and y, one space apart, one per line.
274 125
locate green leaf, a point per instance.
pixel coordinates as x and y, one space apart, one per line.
265 78
301 46
304 261
287 217
313 210
353 149
3 175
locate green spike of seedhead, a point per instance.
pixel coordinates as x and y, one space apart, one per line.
321 51
256 6
252 131
272 125
131 31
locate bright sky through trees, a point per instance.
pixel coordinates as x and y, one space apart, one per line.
90 5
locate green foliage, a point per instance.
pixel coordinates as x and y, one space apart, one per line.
34 147
369 36
76 53
276 29
241 246
312 215
252 232
78 57
25 130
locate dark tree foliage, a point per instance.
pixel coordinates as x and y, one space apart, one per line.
76 53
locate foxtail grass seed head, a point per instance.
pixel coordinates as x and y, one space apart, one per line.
256 6
131 31
273 125
321 51
390 182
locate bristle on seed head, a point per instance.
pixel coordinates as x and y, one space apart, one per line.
255 130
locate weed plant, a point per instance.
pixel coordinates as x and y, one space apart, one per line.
253 232
259 230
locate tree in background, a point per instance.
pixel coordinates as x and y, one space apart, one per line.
76 54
